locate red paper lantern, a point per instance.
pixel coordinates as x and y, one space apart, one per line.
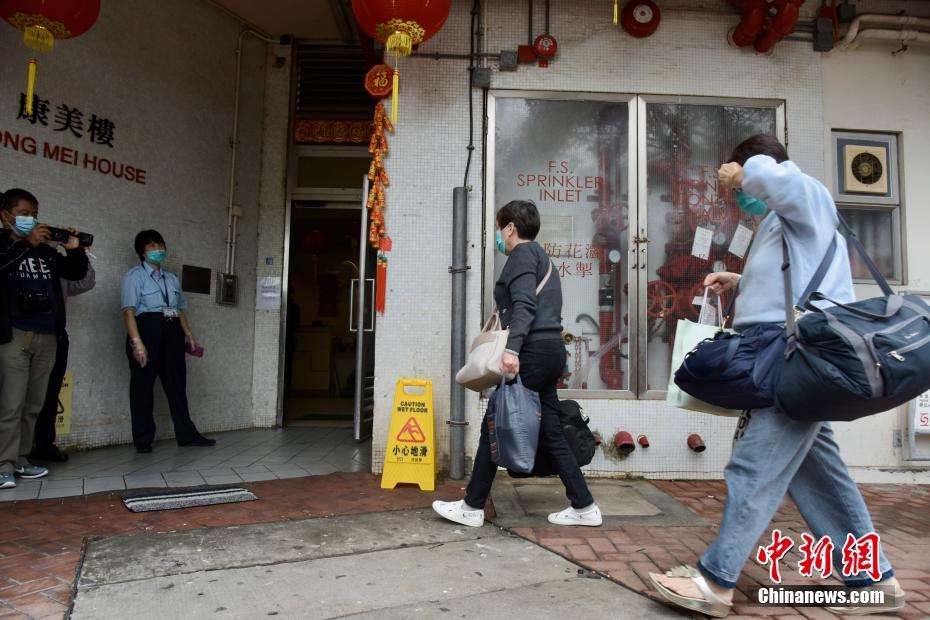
44 21
400 25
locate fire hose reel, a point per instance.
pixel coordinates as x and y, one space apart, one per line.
640 18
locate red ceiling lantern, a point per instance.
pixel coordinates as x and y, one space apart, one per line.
44 21
400 25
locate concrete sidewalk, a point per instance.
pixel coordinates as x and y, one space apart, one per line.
378 565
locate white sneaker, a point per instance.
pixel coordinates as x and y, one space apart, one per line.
590 516
455 512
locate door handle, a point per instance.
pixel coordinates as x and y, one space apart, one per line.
372 281
353 284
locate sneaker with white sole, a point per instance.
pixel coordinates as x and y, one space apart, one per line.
457 513
30 471
7 481
590 516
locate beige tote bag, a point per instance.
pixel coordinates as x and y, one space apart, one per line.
482 369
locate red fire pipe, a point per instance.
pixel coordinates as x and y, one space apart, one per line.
643 441
623 442
780 26
754 13
696 443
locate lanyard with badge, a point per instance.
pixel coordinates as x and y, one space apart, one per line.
167 311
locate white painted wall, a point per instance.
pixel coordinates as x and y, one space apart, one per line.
869 89
164 73
687 56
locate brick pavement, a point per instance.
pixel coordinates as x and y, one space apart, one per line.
42 539
628 553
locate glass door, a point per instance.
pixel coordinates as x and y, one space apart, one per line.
571 155
631 217
688 225
362 323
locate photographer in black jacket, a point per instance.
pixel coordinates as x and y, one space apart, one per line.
32 319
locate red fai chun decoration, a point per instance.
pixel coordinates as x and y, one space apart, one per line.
378 81
378 181
43 22
400 25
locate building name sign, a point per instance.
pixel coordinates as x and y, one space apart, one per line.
71 121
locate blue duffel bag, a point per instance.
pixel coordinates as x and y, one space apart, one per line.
739 370
851 360
735 370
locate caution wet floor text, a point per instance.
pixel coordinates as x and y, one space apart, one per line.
410 455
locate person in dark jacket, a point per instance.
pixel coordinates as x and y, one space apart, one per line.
45 448
536 352
32 319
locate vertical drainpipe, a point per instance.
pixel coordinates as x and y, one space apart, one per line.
458 270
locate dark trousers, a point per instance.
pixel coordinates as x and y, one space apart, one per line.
45 424
541 365
164 341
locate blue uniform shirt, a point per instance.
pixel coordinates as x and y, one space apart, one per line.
146 289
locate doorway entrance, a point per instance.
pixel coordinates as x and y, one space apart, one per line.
329 331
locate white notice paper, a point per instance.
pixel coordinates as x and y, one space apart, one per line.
268 293
702 239
921 422
740 242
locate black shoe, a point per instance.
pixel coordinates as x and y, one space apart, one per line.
199 440
144 449
52 453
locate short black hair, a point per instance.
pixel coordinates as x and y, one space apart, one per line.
11 197
144 238
759 144
523 214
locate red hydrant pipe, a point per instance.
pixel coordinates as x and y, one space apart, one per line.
754 13
780 26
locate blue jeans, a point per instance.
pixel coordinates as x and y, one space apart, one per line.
773 454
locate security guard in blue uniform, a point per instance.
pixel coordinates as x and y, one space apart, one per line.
158 335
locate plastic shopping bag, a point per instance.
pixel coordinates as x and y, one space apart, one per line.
513 419
687 335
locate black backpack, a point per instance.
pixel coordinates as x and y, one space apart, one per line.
580 439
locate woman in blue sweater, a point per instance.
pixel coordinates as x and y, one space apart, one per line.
773 454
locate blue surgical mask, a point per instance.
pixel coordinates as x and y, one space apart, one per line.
24 225
749 204
156 257
499 241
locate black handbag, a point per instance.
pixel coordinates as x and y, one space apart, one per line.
579 437
851 360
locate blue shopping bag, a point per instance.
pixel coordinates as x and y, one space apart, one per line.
513 420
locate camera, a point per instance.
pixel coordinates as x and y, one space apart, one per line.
34 302
60 235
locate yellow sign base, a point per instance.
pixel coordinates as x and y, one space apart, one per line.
63 414
411 456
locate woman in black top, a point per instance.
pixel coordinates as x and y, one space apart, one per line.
535 351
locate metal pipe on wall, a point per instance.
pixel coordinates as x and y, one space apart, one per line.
458 270
230 265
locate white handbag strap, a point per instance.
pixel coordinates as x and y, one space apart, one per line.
545 279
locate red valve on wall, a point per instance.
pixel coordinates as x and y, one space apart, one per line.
640 18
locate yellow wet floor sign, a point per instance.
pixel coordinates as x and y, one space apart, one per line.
410 456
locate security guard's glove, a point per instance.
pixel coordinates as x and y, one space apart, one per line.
139 352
